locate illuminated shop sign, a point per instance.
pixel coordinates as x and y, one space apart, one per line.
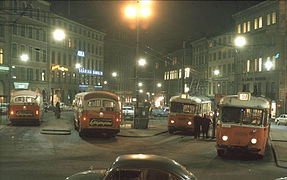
60 68
81 53
83 86
244 96
4 69
89 71
98 86
19 85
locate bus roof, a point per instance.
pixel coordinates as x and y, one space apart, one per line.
25 93
98 94
190 99
254 102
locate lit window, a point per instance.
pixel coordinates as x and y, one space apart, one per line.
1 56
273 17
179 74
167 76
248 66
260 64
268 19
171 74
244 27
43 76
70 43
255 65
260 22
175 74
164 76
248 26
255 23
187 71
239 28
273 62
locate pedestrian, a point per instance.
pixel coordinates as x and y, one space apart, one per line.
57 110
196 121
214 124
205 126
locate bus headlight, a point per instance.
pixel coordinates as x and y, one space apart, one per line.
224 138
253 141
172 121
189 123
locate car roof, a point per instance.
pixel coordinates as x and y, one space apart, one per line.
151 161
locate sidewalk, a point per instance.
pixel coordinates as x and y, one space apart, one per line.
279 144
4 121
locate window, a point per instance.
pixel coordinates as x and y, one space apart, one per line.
59 58
53 57
93 48
260 64
244 27
255 65
1 30
187 72
14 50
224 54
1 56
44 55
44 36
239 28
15 29
37 34
30 32
273 17
255 23
37 74
248 26
224 69
260 22
69 43
64 59
70 60
229 69
219 55
179 73
23 30
268 22
214 56
95 103
37 56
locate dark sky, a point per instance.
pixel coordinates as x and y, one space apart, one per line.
171 21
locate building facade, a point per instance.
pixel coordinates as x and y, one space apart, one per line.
38 62
262 62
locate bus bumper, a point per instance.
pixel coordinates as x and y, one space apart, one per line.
101 130
180 128
238 148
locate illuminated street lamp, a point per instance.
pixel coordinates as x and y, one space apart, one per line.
59 35
141 91
240 41
105 82
216 72
140 84
114 74
24 57
142 62
159 85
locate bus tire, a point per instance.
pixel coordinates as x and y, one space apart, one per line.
170 131
37 122
220 152
80 130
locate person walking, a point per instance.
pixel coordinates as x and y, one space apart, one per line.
58 110
214 124
205 126
196 121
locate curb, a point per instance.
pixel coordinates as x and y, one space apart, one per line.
55 131
131 136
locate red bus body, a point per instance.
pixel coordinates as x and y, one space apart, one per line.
26 106
98 112
243 124
183 109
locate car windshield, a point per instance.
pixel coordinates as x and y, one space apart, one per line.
246 116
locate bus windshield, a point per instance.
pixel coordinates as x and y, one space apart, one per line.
24 100
246 116
182 108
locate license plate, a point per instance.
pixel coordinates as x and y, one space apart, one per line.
99 122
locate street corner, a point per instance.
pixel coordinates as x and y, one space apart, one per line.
280 149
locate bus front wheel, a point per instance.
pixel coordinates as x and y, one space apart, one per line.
220 152
170 131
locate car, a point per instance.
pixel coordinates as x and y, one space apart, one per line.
4 108
282 119
138 166
128 111
157 112
49 108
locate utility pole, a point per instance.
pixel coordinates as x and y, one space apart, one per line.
183 69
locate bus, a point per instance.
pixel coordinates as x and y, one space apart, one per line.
243 124
98 112
26 106
183 109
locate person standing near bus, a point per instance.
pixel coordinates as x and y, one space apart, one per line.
205 126
214 124
196 126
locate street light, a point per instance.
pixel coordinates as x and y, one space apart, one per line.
78 66
141 91
59 35
268 65
216 72
240 41
24 57
140 84
142 62
114 74
105 82
159 85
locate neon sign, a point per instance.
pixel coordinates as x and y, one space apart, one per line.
89 71
81 53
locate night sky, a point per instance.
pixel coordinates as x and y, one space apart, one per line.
171 21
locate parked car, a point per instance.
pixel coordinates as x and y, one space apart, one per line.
165 111
282 119
128 111
4 108
49 108
156 112
138 166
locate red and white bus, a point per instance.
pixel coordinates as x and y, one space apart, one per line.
98 112
26 106
183 109
243 124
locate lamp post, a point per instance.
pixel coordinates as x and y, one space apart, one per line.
239 42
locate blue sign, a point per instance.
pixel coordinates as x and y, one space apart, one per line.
89 71
81 53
